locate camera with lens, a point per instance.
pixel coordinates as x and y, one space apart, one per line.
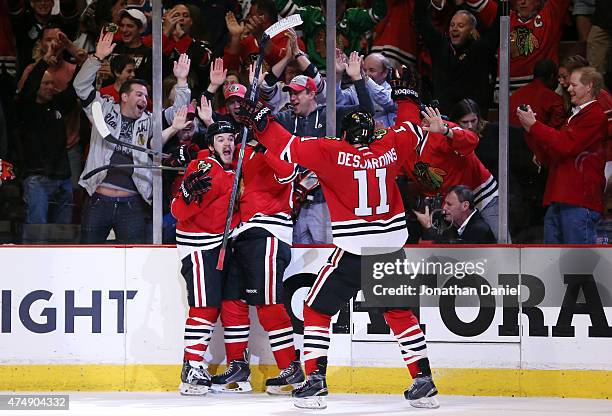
433 104
111 28
432 202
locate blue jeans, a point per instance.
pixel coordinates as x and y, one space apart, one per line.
168 229
570 224
127 216
47 200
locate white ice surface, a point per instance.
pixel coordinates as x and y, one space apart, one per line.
152 404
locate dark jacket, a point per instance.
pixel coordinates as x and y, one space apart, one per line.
603 15
43 140
28 30
314 123
143 56
525 181
476 231
457 73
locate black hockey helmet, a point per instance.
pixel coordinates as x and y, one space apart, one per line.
358 127
218 127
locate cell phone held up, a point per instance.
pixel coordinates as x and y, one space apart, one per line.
524 107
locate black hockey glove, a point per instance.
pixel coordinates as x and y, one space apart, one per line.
182 155
404 85
195 185
254 115
260 148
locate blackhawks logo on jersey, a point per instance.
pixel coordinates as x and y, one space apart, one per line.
522 42
378 134
204 166
430 178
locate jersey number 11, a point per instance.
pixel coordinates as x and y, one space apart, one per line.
364 210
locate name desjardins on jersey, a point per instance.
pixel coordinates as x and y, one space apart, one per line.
357 161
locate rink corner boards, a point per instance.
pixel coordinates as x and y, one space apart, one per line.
364 380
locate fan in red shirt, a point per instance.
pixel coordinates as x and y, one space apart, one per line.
541 96
575 155
394 38
357 175
535 32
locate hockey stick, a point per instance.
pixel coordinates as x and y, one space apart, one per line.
129 165
278 27
98 118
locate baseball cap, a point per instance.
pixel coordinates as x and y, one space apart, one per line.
234 90
136 15
191 112
300 83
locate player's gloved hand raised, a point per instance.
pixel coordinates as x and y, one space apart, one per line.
255 115
182 155
404 85
260 148
195 185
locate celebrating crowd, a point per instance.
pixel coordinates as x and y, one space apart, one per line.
415 158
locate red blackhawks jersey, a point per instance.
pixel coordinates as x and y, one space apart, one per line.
394 38
267 187
364 201
444 162
530 40
201 226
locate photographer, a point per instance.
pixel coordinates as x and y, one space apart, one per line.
458 222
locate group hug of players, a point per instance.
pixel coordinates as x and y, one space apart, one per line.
367 216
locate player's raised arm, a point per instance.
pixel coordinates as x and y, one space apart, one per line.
305 151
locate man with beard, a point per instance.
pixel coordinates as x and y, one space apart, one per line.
200 208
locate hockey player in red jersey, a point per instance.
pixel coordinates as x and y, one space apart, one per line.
357 174
200 208
262 251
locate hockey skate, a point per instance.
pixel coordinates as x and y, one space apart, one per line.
235 379
195 380
311 393
287 380
422 393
